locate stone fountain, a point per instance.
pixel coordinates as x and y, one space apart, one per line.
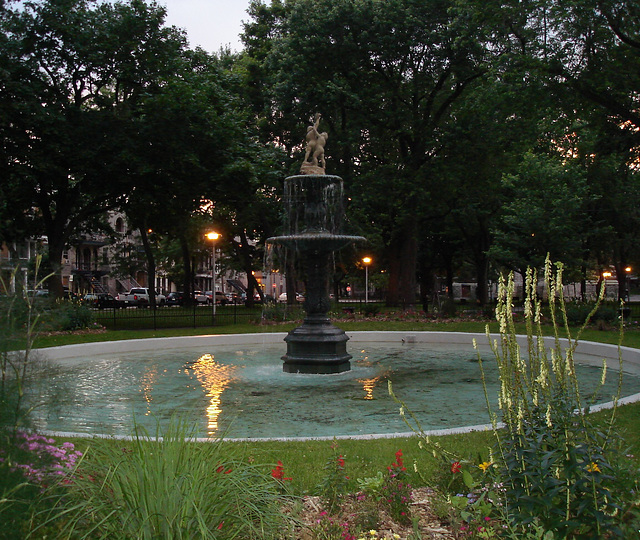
315 210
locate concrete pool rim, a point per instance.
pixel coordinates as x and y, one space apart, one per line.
593 353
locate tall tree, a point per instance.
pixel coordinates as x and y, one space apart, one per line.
74 73
384 76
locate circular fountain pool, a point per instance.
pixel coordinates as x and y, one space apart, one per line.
234 385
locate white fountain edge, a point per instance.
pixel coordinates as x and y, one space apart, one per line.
593 354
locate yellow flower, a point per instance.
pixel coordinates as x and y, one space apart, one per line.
593 467
484 466
373 532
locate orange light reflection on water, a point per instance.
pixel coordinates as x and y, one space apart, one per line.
148 379
369 385
214 378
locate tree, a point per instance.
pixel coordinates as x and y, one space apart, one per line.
74 74
384 76
544 214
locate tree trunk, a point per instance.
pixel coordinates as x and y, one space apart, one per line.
402 269
290 280
188 271
54 270
482 277
151 266
244 250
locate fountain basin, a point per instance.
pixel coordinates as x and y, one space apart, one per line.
351 404
316 241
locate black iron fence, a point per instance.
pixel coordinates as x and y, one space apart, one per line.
176 317
203 316
199 316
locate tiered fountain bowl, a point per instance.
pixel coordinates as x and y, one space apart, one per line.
315 211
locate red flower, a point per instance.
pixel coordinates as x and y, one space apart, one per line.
278 472
456 467
399 458
398 464
341 462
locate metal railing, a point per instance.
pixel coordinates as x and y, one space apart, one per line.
146 318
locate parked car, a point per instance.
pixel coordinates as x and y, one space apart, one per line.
175 299
221 298
101 301
139 296
283 297
200 297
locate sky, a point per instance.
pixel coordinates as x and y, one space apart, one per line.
210 24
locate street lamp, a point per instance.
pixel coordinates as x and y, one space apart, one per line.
213 236
627 287
366 261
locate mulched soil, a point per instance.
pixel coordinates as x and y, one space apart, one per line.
430 525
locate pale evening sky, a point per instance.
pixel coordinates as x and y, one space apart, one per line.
210 24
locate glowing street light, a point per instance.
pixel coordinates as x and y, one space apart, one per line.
627 288
213 236
366 261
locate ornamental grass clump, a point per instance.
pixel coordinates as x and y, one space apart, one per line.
169 487
553 462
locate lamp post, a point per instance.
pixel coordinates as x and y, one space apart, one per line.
366 261
213 236
627 287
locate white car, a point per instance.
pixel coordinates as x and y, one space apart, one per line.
283 297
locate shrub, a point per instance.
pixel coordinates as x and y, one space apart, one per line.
67 315
578 313
370 310
30 465
553 473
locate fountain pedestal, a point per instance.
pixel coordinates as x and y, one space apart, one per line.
317 346
315 215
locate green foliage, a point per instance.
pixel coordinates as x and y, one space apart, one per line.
335 482
554 465
447 308
396 491
553 472
370 310
69 315
278 312
30 465
170 487
372 486
579 313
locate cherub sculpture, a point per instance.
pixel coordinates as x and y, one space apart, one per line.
314 162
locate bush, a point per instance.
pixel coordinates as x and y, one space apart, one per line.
370 310
578 313
553 473
67 315
29 463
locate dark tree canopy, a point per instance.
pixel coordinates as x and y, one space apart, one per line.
75 73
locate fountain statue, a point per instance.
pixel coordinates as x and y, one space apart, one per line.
315 210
